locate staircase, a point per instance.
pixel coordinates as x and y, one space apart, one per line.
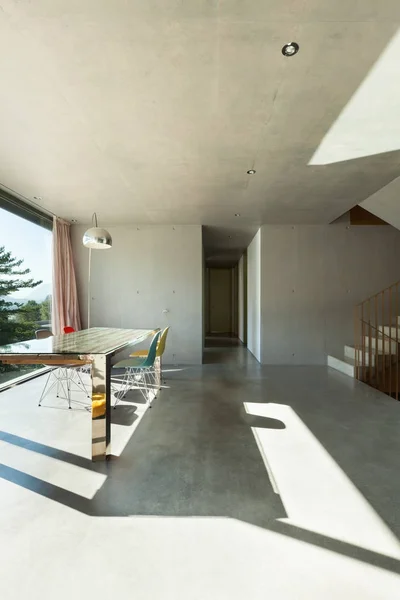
375 358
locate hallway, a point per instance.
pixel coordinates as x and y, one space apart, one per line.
226 350
241 481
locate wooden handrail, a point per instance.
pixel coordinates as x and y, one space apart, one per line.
378 294
381 333
377 352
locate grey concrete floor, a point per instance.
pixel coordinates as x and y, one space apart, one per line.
241 481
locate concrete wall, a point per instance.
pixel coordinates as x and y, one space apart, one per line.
147 270
235 309
207 301
220 297
241 299
311 278
204 306
254 296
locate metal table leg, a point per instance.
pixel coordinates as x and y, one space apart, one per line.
101 407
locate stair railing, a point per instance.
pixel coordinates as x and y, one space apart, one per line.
377 340
378 366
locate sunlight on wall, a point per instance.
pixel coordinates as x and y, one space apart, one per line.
369 124
254 296
385 204
316 493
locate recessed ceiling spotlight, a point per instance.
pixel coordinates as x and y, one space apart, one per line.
74 220
290 49
237 214
230 237
37 197
251 172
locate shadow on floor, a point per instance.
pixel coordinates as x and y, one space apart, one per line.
185 459
194 452
357 425
124 415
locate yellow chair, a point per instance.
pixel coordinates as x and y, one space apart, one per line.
159 352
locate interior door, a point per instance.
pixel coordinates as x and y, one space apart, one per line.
220 305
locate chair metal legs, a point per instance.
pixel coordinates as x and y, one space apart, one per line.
120 392
57 379
138 378
62 379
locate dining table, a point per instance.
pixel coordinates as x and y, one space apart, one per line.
95 347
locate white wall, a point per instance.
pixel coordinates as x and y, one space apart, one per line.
311 279
385 203
254 296
235 309
241 299
146 270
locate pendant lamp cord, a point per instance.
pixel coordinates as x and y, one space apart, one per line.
89 288
94 221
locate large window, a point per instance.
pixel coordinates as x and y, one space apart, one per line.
25 277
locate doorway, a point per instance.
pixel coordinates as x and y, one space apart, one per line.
220 302
222 343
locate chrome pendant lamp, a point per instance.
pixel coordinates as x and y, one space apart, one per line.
95 238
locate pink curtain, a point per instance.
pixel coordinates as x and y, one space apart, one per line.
65 306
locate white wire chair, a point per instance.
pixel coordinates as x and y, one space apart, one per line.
138 374
157 369
62 377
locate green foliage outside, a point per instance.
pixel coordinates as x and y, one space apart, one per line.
32 312
18 321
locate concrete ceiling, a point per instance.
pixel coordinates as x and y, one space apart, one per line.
153 111
223 246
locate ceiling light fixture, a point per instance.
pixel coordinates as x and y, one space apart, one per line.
251 172
74 220
290 49
96 237
237 214
37 197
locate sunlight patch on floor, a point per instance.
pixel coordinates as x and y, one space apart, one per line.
181 558
121 434
315 491
57 472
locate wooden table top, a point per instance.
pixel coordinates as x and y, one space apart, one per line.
97 340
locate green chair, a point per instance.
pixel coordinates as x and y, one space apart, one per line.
157 373
138 373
